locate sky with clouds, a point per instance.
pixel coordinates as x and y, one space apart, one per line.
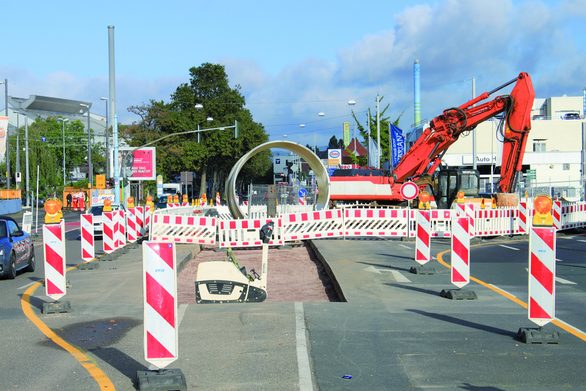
294 60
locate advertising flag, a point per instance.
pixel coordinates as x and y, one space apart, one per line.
346 133
3 134
397 144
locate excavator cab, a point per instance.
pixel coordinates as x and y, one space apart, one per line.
452 180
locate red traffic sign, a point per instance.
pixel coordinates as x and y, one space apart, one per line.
409 191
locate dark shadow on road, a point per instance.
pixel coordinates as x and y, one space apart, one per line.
385 266
36 302
125 364
414 288
466 323
470 387
410 258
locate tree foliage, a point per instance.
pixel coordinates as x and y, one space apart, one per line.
214 152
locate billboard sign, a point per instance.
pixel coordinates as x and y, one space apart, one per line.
334 157
137 164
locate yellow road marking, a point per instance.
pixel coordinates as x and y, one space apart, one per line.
559 323
90 366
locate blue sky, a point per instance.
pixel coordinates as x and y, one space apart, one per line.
296 59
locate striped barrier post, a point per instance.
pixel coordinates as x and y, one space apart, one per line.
542 250
423 237
120 237
140 220
460 258
108 232
160 303
556 213
148 215
523 214
131 228
87 237
54 250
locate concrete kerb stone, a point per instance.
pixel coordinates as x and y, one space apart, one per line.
328 270
185 253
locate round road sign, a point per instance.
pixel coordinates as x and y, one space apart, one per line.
409 190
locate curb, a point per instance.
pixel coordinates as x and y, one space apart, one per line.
328 269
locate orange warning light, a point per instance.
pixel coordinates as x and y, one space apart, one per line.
542 205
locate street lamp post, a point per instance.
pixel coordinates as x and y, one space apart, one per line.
27 177
63 120
107 138
5 82
17 147
90 171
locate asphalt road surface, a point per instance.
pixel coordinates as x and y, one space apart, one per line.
393 331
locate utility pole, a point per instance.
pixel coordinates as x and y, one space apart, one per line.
378 131
7 134
473 132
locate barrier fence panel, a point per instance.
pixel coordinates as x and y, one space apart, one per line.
246 233
184 229
494 222
440 219
375 222
573 215
313 225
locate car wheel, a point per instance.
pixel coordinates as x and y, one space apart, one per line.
32 264
11 272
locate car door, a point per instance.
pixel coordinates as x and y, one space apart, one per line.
20 244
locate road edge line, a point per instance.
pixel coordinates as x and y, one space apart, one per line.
85 361
558 322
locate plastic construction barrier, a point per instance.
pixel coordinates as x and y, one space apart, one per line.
184 229
441 223
376 222
496 222
573 215
313 225
246 233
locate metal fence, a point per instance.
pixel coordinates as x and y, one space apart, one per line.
289 198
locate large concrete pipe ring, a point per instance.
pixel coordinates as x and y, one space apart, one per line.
321 175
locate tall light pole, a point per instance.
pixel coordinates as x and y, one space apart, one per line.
107 138
5 82
27 177
63 120
378 149
18 147
473 132
90 170
352 102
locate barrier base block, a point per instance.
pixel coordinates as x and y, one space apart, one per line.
88 266
161 380
538 336
57 307
107 257
423 269
132 246
458 294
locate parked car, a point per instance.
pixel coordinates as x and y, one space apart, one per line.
16 249
97 211
161 202
571 116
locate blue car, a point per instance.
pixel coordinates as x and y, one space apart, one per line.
16 249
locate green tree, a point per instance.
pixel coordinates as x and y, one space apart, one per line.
213 153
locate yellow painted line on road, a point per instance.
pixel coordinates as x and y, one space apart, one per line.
559 323
90 366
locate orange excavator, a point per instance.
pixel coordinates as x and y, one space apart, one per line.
420 164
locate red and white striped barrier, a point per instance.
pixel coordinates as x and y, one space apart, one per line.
160 303
87 237
313 225
109 232
218 200
440 220
423 238
140 220
460 258
524 218
376 222
301 200
131 228
246 233
556 212
120 224
148 215
467 210
542 250
54 250
493 222
184 229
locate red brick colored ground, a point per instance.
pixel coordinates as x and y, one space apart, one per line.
294 274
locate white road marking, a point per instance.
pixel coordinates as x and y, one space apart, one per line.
27 285
305 380
399 277
564 281
582 240
566 237
509 247
404 246
559 260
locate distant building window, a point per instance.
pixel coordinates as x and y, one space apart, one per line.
566 166
539 146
